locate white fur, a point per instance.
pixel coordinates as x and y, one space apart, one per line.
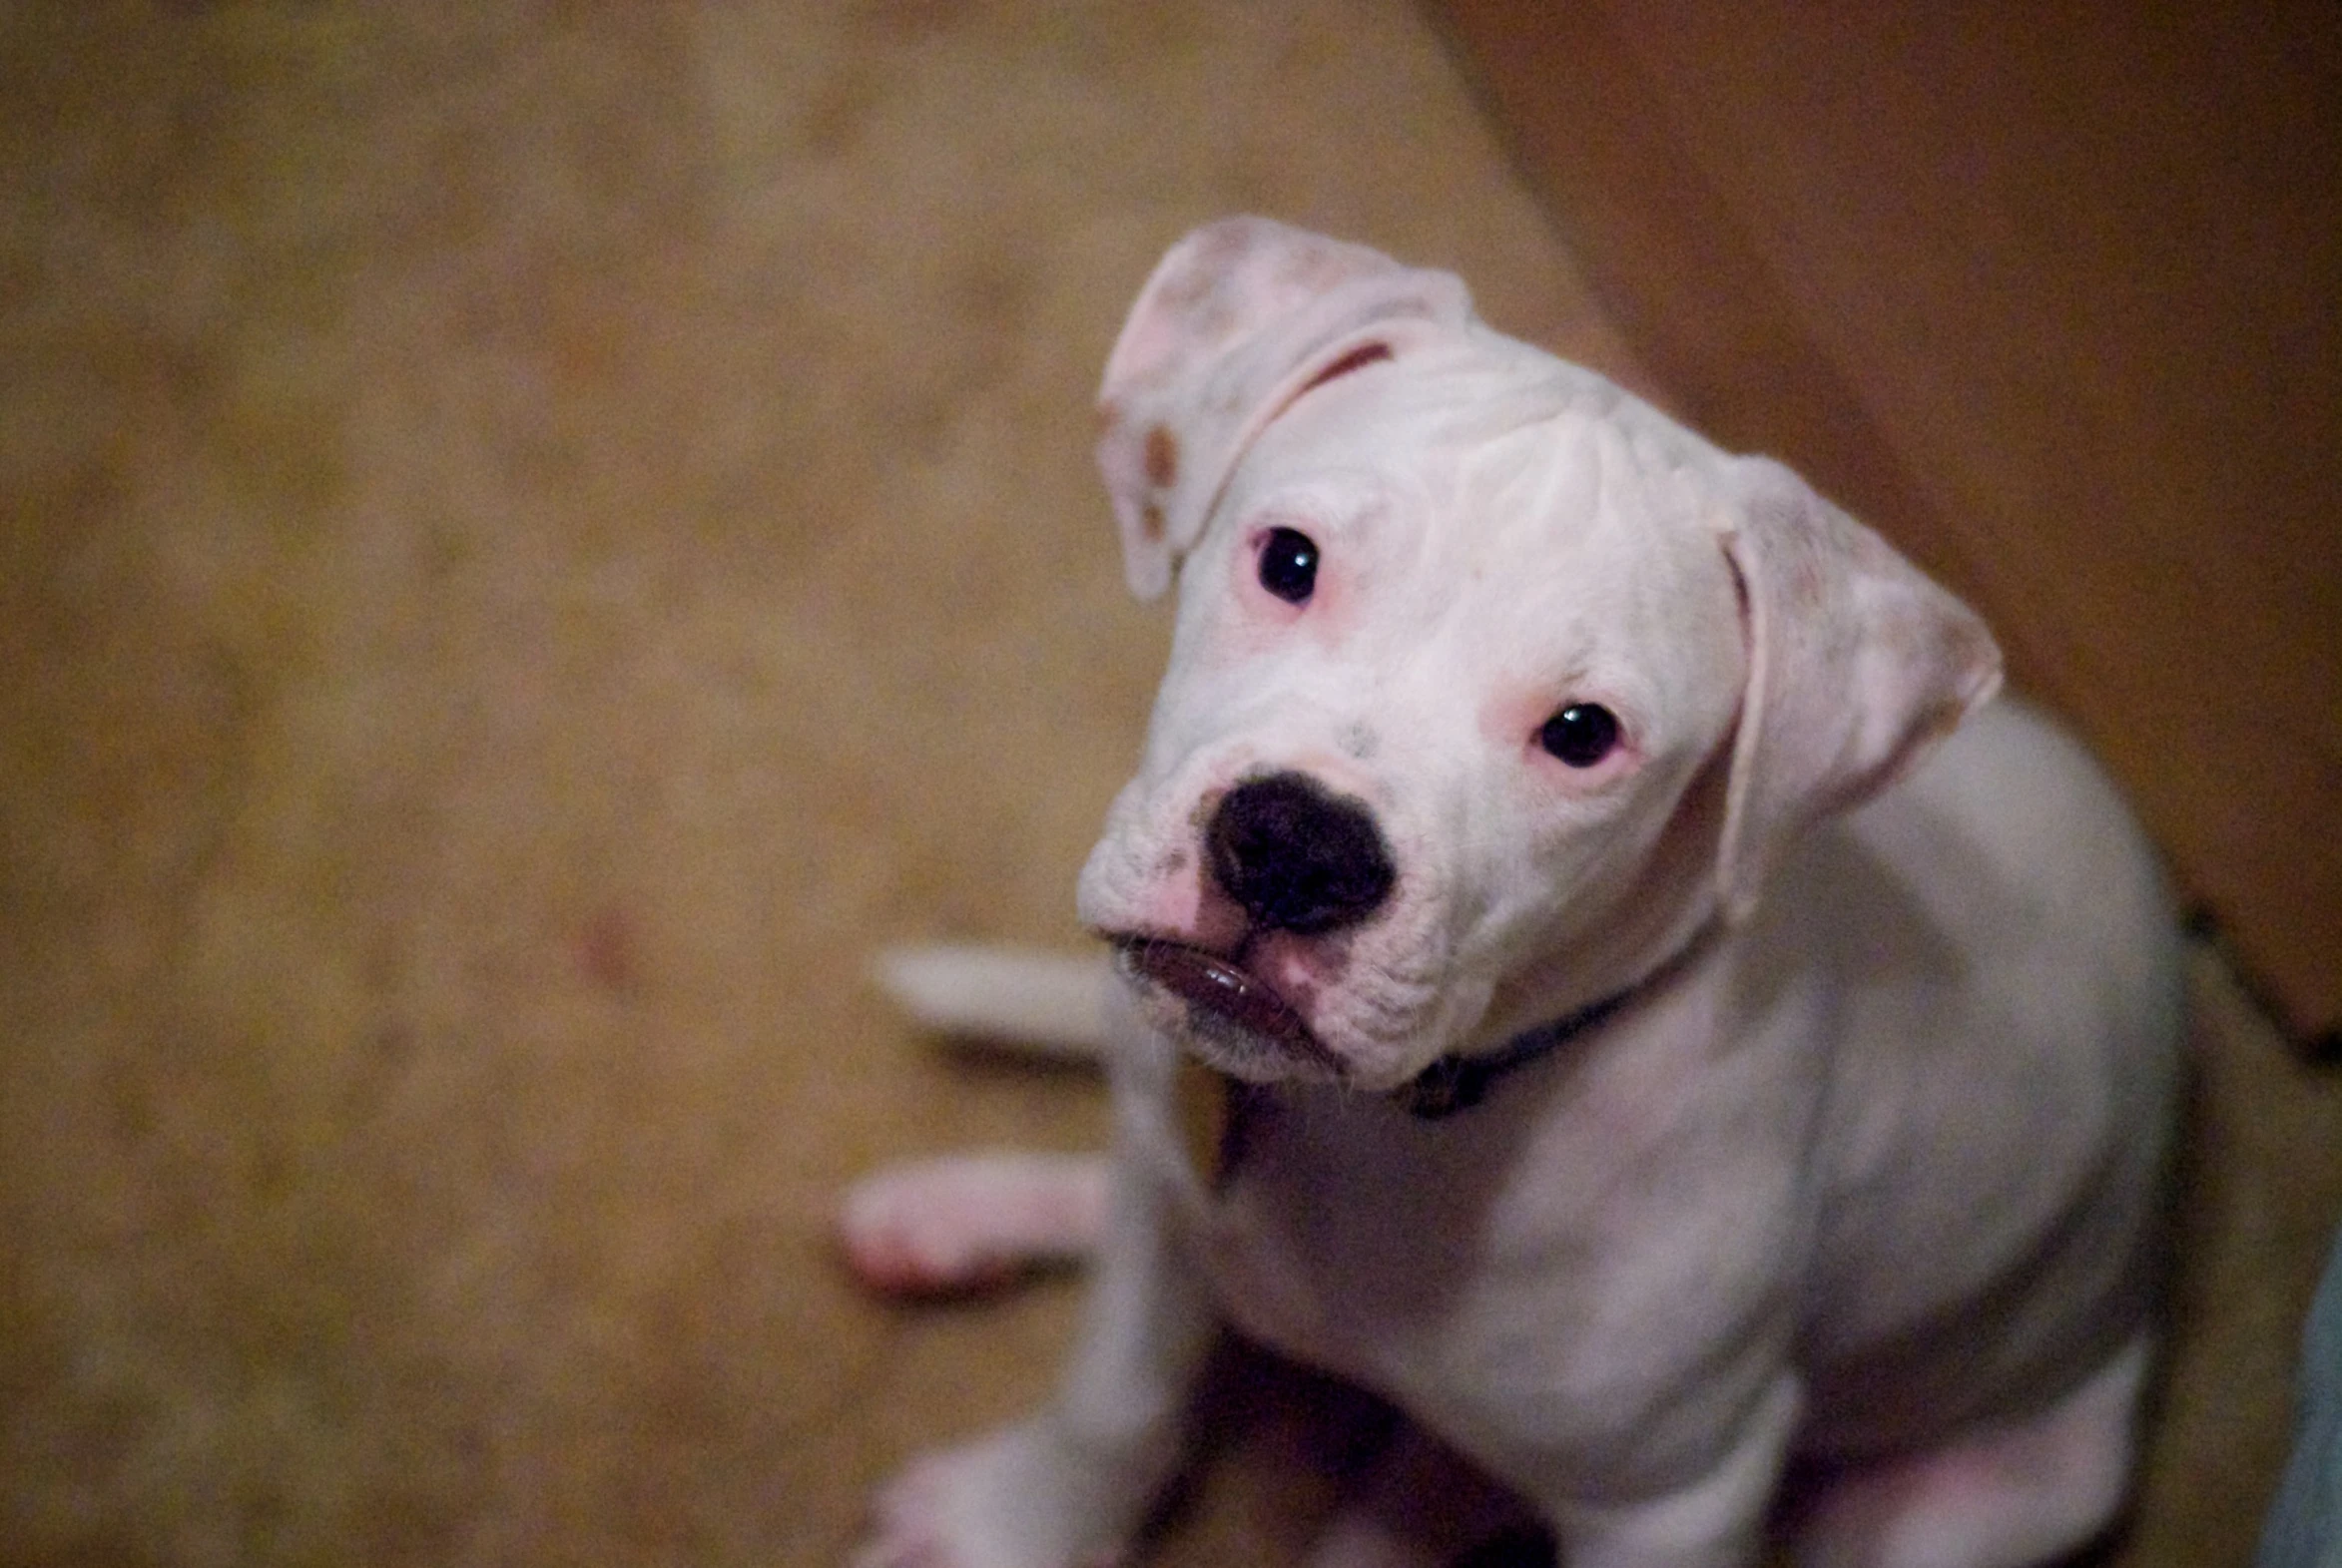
1864 1174
1034 1001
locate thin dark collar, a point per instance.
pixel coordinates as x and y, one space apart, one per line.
1458 1083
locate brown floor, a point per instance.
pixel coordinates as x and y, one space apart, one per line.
536 537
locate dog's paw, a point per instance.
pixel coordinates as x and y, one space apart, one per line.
995 1503
968 1221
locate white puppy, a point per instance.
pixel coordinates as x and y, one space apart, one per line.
1639 1066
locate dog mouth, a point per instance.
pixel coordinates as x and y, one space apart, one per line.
1235 1019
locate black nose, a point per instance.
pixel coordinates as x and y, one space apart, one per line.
1296 856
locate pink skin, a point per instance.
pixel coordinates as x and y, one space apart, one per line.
1514 714
1183 906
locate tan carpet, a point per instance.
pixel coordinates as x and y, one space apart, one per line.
537 535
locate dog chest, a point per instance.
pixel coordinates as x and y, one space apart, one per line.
1536 1306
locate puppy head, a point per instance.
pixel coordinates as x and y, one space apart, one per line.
1490 687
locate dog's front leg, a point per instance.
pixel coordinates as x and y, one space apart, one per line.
1073 1482
1715 1521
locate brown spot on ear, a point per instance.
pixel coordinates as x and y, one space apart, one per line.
1150 522
1162 457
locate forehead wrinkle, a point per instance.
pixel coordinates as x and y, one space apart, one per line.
1494 566
1515 494
1523 508
1575 562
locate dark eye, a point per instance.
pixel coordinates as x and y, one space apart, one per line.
1289 565
1581 735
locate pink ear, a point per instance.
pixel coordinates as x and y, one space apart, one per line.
1239 318
1857 665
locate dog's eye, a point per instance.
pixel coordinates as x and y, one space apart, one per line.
1289 565
1581 734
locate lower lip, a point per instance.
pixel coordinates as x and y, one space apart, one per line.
1226 992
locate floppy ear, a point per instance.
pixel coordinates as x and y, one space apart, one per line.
1857 665
1240 318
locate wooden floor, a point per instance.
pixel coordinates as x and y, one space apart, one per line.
532 540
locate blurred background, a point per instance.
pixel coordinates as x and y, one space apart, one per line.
538 535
